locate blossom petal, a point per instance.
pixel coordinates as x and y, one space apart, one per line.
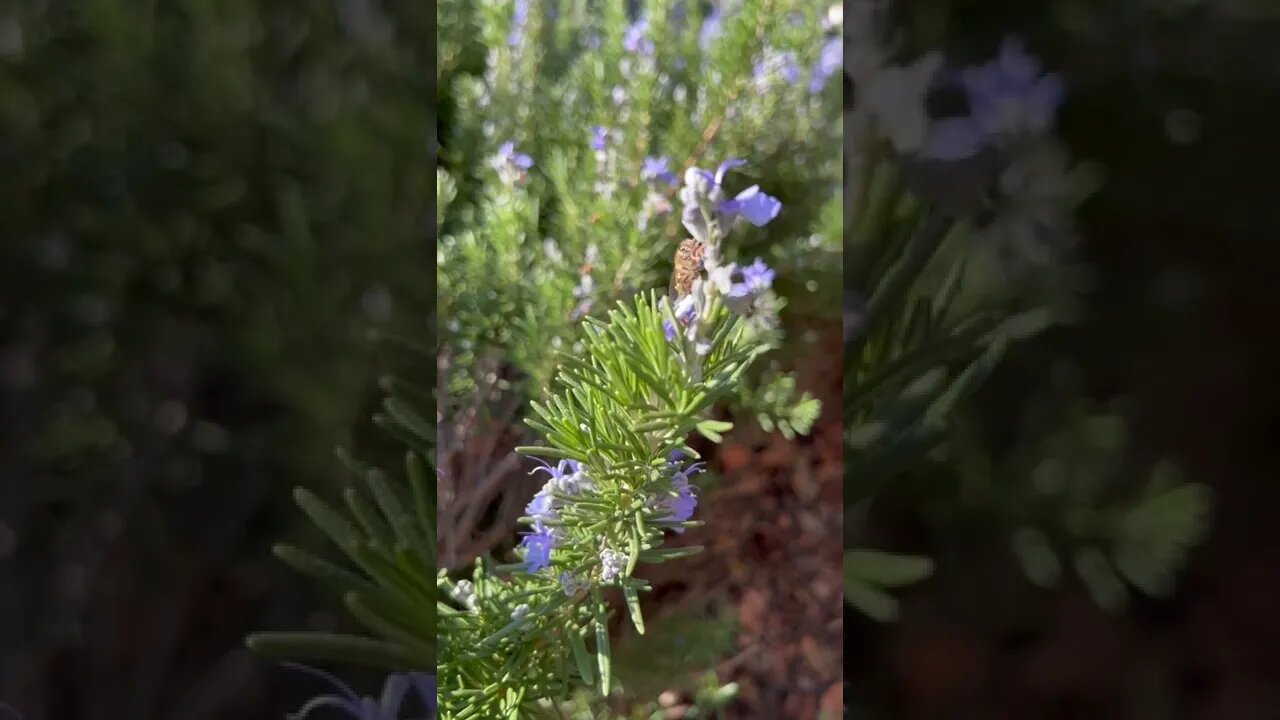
393 693
425 684
351 697
759 208
328 701
725 167
952 139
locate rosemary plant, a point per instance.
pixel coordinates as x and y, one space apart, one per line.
617 428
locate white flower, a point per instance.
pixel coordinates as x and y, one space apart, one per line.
465 593
721 277
612 564
895 98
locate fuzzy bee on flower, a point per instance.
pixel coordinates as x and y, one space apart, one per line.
686 267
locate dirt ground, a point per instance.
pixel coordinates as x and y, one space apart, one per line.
772 535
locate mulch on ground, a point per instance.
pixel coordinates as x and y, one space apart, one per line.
772 533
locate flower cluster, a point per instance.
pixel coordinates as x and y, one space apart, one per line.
636 40
1008 101
464 593
567 480
991 155
681 502
568 483
707 212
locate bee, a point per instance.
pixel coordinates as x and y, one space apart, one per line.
687 266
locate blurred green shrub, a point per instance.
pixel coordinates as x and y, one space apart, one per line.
204 205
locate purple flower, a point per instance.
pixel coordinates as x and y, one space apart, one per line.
635 39
753 204
563 469
1009 96
829 61
567 476
619 94
738 294
668 330
538 547
703 193
567 479
519 15
687 309
705 182
599 137
425 684
758 276
711 29
540 508
685 502
507 153
655 168
366 708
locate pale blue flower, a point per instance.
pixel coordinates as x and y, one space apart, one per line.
599 137
425 684
686 310
541 508
397 685
538 547
1009 96
758 276
507 153
829 61
712 27
519 16
636 38
758 207
684 502
656 168
703 192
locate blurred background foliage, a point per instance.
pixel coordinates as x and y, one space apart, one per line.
1074 450
205 206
